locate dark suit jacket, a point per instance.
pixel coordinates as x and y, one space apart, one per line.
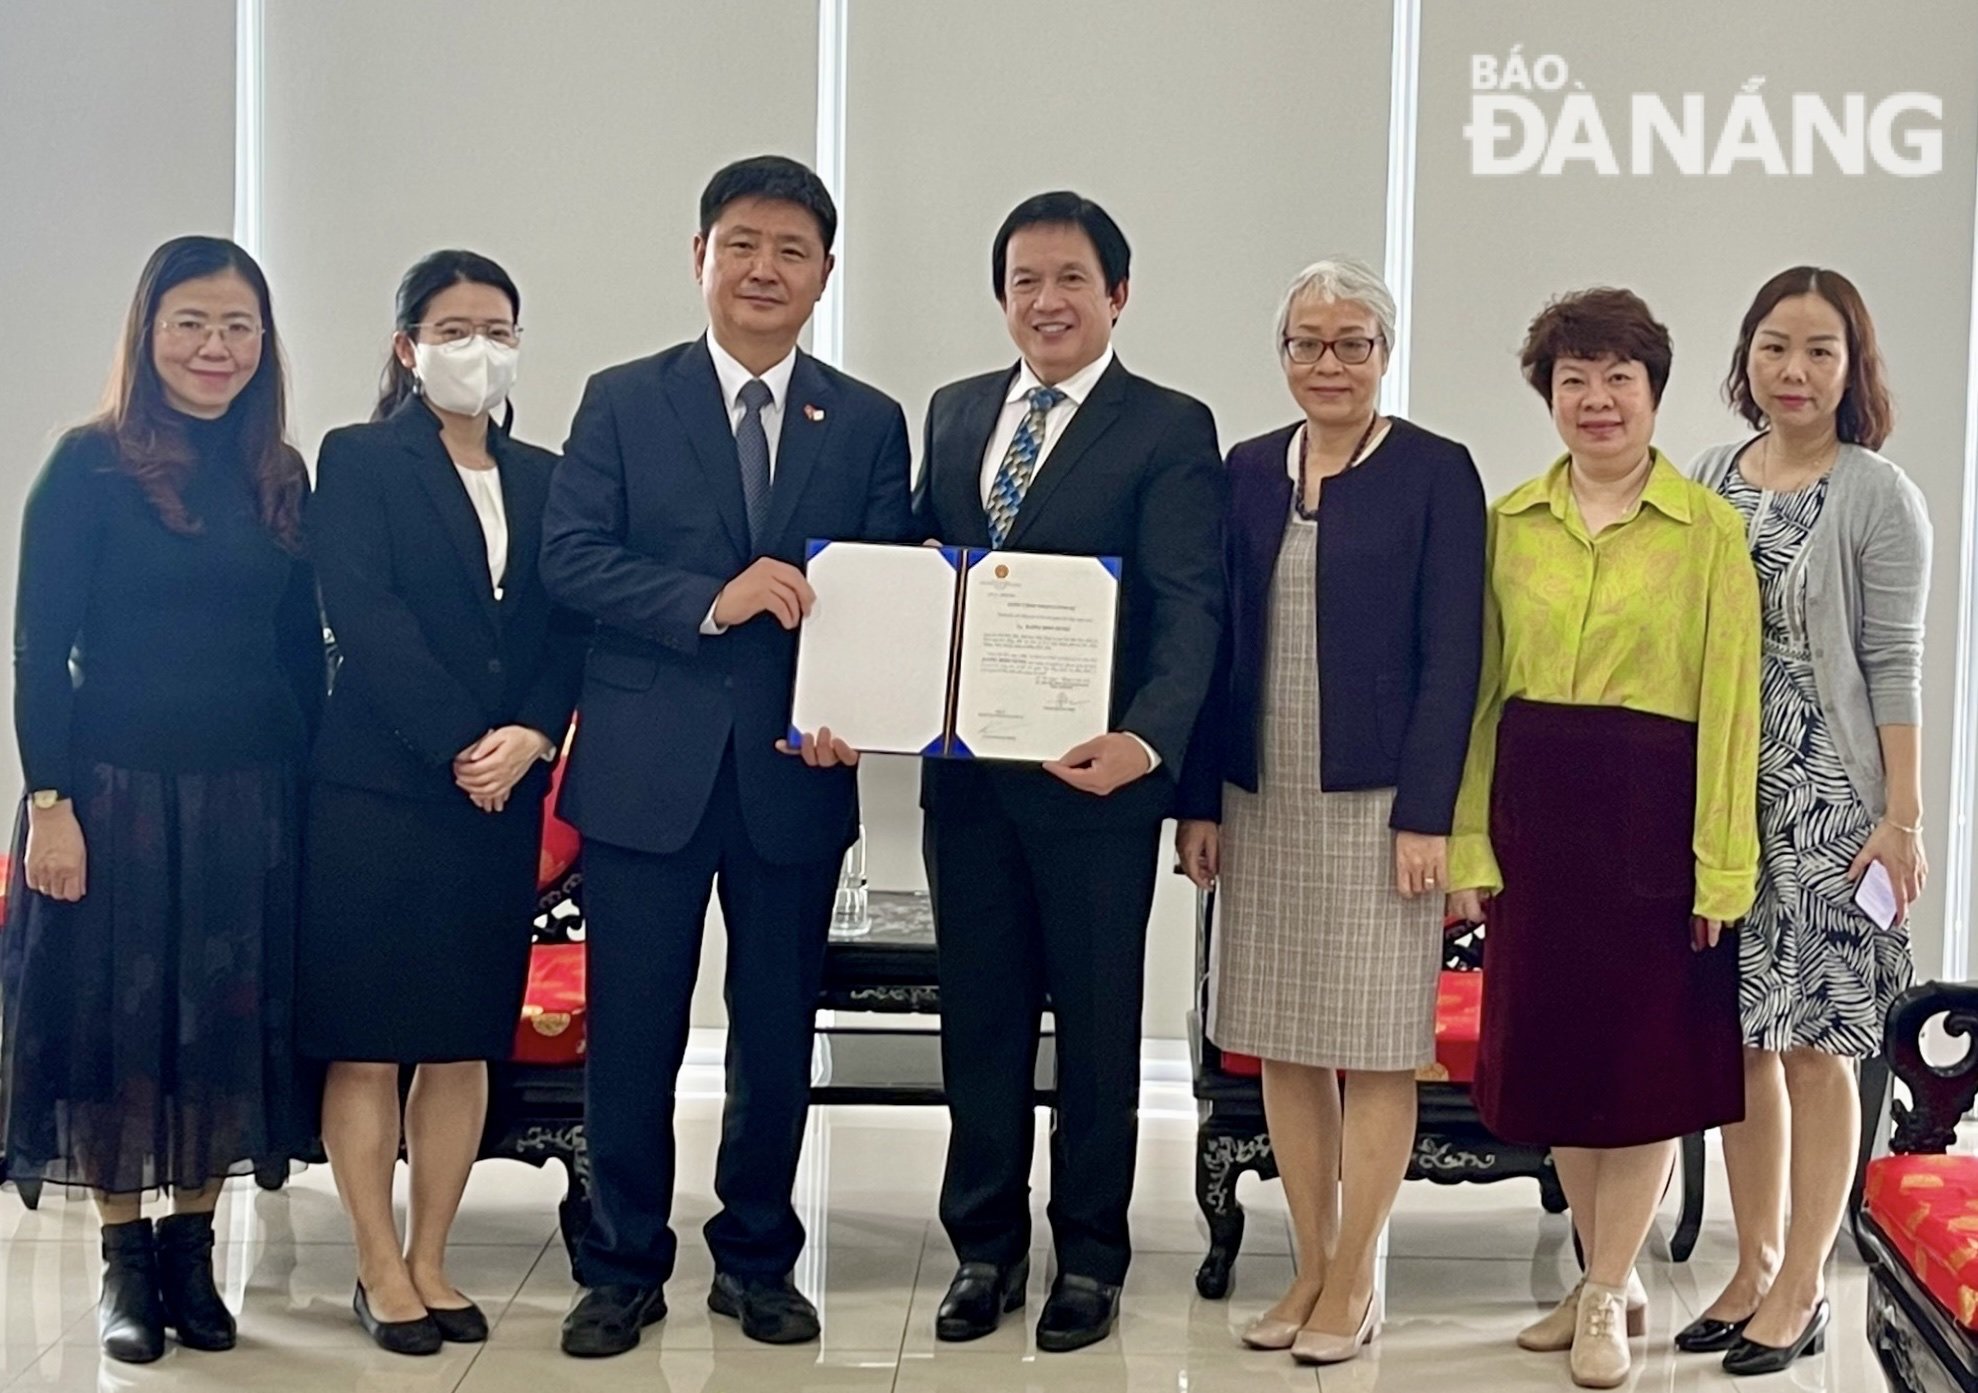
1136 475
429 660
646 524
1400 624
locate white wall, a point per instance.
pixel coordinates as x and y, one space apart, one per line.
116 133
568 142
1491 250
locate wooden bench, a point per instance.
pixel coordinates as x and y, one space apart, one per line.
1919 1226
1452 1146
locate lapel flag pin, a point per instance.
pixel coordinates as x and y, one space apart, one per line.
813 413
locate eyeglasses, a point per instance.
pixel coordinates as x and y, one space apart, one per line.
1352 350
460 330
190 330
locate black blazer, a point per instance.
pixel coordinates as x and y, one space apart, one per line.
429 660
1400 620
646 524
1136 475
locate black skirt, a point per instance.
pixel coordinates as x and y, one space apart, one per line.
146 1030
415 925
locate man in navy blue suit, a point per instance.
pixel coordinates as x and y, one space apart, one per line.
677 520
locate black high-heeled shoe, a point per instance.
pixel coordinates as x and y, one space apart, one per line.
1750 1357
1708 1335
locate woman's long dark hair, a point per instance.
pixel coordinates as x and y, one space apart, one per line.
1867 412
151 445
427 278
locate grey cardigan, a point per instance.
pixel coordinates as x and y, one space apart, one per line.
1867 568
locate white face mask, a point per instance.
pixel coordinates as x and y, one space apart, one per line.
468 377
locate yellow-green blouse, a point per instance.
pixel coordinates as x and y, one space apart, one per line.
1658 614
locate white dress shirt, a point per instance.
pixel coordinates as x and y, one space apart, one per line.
1076 388
484 492
733 377
1016 406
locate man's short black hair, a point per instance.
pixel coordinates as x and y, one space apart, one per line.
1064 207
770 176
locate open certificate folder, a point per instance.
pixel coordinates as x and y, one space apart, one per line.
964 654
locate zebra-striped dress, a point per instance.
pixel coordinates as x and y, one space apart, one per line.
1828 982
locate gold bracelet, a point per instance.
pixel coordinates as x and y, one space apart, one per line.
1915 831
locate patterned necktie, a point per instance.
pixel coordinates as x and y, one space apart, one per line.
752 448
1019 464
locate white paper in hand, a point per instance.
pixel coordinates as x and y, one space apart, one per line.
1876 895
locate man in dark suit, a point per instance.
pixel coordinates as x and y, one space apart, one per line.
677 519
1043 877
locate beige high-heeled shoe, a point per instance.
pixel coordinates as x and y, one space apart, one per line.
1600 1357
1323 1347
1265 1333
1553 1332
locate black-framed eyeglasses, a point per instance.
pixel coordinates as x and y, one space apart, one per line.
1352 350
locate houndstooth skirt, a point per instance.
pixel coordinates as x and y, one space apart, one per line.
1315 959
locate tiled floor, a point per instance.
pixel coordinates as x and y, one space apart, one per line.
1468 1265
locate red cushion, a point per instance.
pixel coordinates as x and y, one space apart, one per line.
1928 1206
560 840
1458 1017
1458 1022
551 1030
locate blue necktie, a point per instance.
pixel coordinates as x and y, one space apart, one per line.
1019 464
752 449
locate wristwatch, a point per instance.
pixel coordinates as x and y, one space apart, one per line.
45 798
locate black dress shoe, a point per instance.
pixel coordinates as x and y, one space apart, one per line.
417 1336
460 1325
770 1310
1707 1335
1750 1357
185 1282
608 1319
978 1298
130 1316
1080 1312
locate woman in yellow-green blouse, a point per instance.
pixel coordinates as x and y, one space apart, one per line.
1606 827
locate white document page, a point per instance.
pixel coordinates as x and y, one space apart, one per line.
872 657
1036 656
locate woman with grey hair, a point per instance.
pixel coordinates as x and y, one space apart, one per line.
1841 541
1321 782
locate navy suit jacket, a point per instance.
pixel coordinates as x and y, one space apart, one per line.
1136 475
1400 625
430 660
646 523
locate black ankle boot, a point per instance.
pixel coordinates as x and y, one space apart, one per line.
185 1281
130 1317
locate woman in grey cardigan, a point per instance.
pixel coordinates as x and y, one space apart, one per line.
1842 545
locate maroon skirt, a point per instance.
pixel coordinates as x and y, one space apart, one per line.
1601 1026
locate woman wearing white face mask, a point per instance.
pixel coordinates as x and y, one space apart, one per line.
455 687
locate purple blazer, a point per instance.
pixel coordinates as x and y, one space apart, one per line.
1400 624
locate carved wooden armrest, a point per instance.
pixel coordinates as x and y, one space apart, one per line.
1941 1094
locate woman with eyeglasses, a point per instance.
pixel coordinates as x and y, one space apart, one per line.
168 663
1321 780
454 688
